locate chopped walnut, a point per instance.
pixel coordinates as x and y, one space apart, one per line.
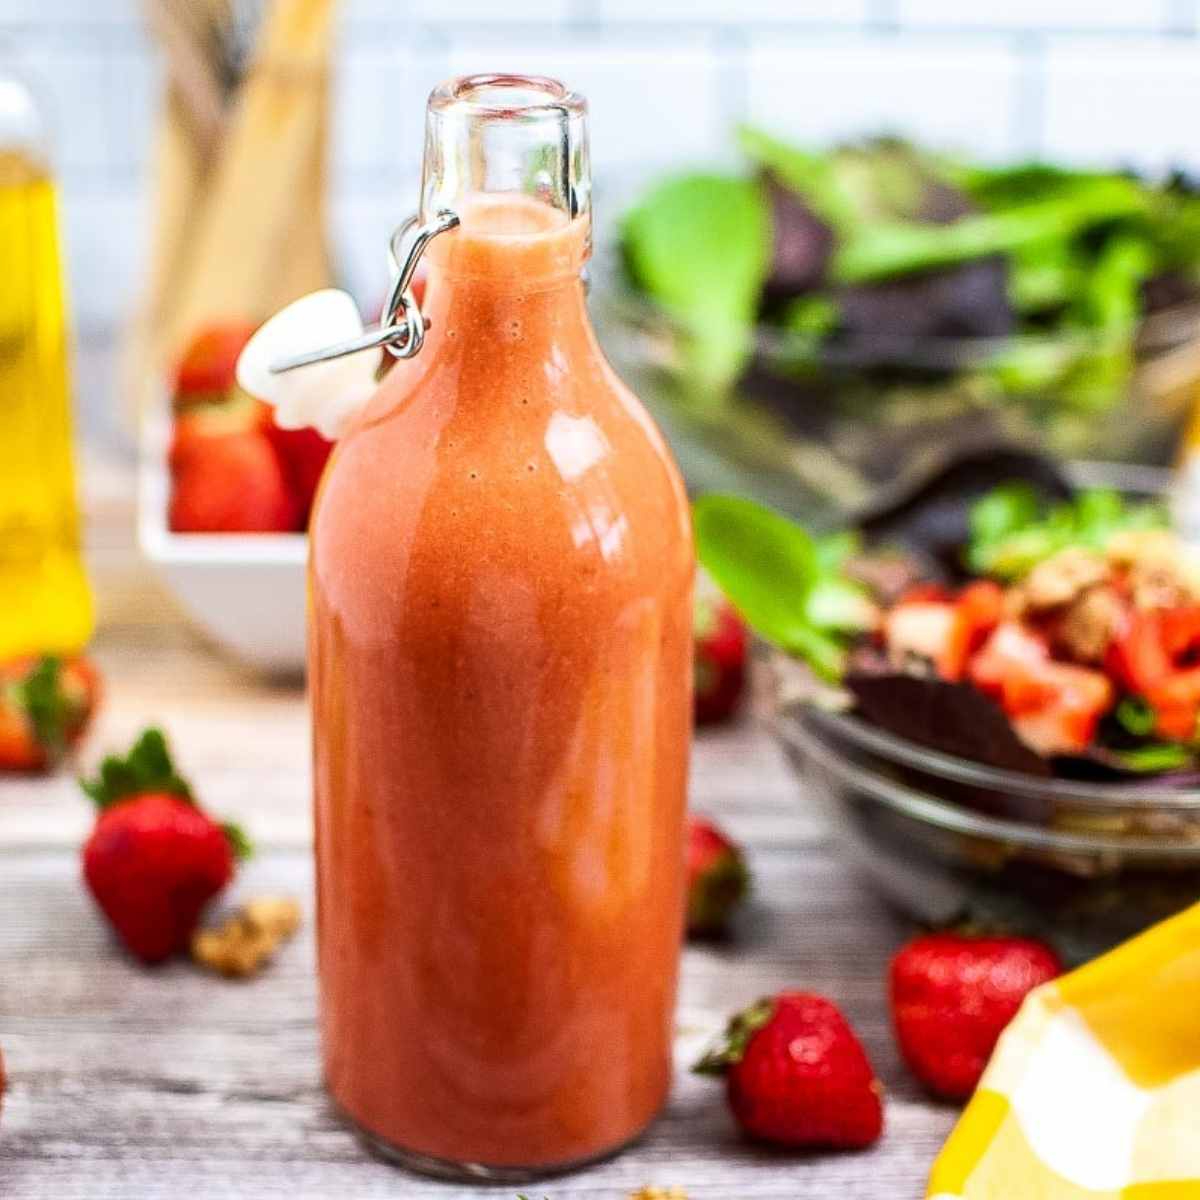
1059 580
1135 546
245 942
1158 587
1162 571
1089 624
276 915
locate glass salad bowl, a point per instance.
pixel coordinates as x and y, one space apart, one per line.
1082 864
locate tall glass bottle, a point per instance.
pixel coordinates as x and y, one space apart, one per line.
500 655
45 605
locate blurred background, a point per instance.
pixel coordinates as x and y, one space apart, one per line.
837 242
667 81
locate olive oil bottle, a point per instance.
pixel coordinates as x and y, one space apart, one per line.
45 603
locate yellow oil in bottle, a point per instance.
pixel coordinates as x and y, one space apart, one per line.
45 604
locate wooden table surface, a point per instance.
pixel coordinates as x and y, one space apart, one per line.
132 1083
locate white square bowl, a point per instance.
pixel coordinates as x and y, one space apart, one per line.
245 591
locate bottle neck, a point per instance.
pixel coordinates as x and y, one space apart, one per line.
509 242
505 298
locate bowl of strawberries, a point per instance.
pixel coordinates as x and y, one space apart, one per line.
223 506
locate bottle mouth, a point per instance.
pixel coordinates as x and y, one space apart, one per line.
507 97
502 133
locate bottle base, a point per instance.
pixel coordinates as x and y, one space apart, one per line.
467 1172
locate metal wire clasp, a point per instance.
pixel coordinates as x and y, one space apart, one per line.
401 326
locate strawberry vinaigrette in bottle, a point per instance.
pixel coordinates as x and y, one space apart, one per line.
500 661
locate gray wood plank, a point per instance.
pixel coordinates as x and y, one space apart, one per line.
134 1083
247 757
129 1084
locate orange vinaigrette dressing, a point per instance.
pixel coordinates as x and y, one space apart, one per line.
500 655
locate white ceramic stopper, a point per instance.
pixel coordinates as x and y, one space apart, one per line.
325 395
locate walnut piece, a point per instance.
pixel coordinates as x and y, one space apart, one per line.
1163 572
1059 580
245 942
1132 547
1090 624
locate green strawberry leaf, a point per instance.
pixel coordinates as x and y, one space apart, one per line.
733 1042
41 697
146 768
239 841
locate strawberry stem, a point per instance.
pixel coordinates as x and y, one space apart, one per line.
41 697
733 1042
239 841
146 768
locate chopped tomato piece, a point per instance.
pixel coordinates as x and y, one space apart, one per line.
983 600
921 593
946 630
1180 687
1176 704
1180 630
1026 689
1011 649
1176 724
1138 658
1054 707
918 627
977 611
1065 723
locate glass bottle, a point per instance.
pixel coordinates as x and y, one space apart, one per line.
45 605
500 664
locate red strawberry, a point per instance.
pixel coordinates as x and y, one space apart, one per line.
303 453
232 484
154 859
717 879
797 1075
952 996
198 425
45 706
720 643
208 366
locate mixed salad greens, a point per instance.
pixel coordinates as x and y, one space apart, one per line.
873 255
1062 636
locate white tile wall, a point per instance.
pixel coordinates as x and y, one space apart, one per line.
1037 14
464 12
378 107
102 238
814 12
1093 80
43 13
961 95
84 136
654 101
1132 102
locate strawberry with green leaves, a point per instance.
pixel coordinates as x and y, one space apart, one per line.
154 859
796 1075
717 878
45 706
